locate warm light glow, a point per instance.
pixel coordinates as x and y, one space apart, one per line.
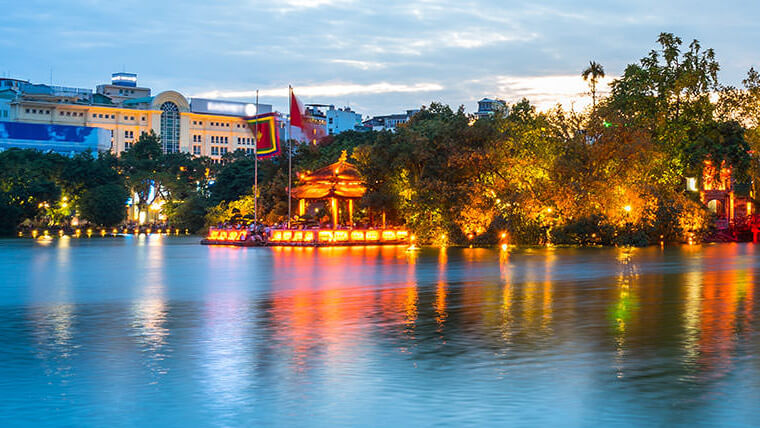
373 235
389 235
627 208
549 210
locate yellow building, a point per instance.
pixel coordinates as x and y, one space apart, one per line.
198 126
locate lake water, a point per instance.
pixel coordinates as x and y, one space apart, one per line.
160 331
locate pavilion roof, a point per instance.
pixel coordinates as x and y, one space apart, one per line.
339 179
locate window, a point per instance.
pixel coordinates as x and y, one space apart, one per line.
100 116
68 113
129 134
224 150
128 145
197 150
60 113
131 118
27 110
170 127
214 151
125 117
143 118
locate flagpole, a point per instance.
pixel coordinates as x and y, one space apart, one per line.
256 164
290 152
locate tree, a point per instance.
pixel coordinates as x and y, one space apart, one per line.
104 205
592 74
140 166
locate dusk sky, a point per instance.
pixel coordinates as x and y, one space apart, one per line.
378 57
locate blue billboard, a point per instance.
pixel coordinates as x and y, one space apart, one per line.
63 139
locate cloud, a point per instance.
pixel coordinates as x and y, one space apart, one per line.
362 65
547 91
329 90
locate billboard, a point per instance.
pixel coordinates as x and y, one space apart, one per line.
63 139
227 108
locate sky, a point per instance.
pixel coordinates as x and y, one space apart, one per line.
379 57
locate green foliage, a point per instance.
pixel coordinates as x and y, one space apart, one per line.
48 188
104 205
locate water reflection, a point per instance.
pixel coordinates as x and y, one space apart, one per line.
289 336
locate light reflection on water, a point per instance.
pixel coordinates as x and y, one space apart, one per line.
163 331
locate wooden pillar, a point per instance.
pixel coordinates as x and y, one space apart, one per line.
351 212
334 208
301 207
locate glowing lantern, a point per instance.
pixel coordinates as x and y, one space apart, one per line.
389 235
357 235
373 235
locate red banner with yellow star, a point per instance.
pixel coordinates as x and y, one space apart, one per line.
266 133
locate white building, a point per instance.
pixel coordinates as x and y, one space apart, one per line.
342 119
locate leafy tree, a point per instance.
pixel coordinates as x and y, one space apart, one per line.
104 205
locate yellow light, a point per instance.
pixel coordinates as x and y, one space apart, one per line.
60 233
65 198
504 247
503 235
325 235
389 235
102 232
627 208
64 205
549 210
341 235
34 233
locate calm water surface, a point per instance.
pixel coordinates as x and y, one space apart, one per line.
164 332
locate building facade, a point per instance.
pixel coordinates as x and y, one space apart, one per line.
342 119
389 122
488 106
200 127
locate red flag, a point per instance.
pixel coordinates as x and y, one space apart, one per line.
296 111
267 135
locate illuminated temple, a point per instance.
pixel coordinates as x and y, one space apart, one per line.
339 183
334 189
337 186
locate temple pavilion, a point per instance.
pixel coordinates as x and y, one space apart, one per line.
339 183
